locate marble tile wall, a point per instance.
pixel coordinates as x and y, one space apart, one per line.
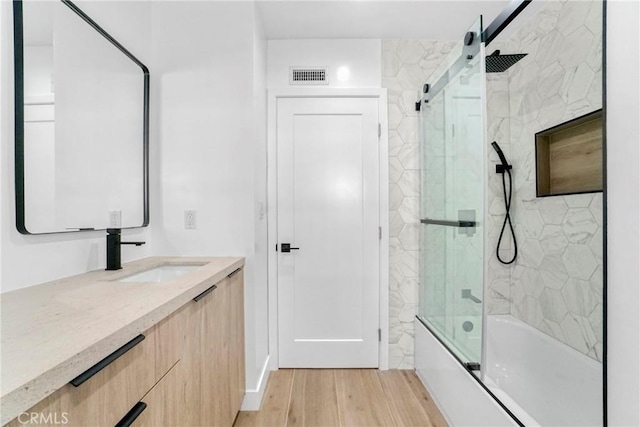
497 295
556 283
406 66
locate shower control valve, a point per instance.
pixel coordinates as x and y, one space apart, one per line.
503 168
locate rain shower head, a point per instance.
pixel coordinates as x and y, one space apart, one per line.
496 63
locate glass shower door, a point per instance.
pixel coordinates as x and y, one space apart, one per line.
452 201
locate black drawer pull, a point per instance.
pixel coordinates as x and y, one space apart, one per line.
77 381
234 272
131 416
204 294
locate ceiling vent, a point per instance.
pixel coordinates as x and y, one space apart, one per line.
309 75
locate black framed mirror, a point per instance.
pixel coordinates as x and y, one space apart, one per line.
81 123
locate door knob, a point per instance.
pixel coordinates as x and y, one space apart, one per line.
286 247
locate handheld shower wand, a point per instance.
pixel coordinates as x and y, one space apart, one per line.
503 168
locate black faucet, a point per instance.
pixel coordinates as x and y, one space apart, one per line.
113 248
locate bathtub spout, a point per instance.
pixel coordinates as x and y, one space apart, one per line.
466 293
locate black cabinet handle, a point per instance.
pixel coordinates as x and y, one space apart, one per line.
77 381
233 273
131 416
204 294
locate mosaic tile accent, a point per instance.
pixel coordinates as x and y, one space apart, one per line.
556 283
406 66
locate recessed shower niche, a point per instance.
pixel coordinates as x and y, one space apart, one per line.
569 157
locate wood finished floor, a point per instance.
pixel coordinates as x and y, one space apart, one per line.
343 397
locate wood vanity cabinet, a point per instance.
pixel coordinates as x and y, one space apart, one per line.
163 402
104 398
188 371
214 352
236 356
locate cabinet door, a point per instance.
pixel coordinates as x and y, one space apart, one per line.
163 404
189 366
169 341
104 398
214 367
236 357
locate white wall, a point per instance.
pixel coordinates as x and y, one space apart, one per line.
209 112
261 297
29 260
38 70
623 235
5 134
351 62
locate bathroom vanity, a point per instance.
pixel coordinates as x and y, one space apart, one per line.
164 347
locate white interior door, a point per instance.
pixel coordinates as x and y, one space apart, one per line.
328 207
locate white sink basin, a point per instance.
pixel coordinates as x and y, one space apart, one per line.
160 274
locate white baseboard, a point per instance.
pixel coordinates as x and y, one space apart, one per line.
253 398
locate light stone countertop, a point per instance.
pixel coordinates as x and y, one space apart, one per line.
53 332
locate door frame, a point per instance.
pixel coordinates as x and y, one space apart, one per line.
272 208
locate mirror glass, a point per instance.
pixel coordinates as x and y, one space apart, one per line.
81 154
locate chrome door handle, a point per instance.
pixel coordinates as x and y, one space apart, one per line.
286 247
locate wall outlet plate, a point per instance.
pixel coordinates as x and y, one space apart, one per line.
115 219
190 220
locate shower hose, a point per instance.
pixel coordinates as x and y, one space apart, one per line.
507 220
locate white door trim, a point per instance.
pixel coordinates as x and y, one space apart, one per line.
272 207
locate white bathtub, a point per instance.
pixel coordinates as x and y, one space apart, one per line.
542 381
459 395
